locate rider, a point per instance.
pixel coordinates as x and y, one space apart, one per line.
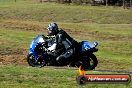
61 38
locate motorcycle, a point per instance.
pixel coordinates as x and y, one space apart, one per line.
39 56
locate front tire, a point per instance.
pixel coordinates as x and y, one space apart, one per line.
31 61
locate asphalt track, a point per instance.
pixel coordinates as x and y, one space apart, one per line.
73 68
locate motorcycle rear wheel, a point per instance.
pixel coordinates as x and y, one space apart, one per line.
90 62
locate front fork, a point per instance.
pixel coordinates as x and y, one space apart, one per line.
37 57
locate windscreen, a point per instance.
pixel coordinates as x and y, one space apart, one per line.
38 39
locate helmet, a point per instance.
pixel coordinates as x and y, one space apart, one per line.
52 29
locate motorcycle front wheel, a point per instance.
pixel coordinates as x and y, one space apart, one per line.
31 61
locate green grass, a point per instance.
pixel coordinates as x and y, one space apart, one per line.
29 10
28 77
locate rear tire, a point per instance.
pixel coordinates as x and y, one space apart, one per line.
90 63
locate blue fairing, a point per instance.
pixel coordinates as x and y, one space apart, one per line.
32 47
38 39
87 45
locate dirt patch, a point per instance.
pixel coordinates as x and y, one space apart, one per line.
97 35
13 56
23 25
13 59
10 51
41 27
